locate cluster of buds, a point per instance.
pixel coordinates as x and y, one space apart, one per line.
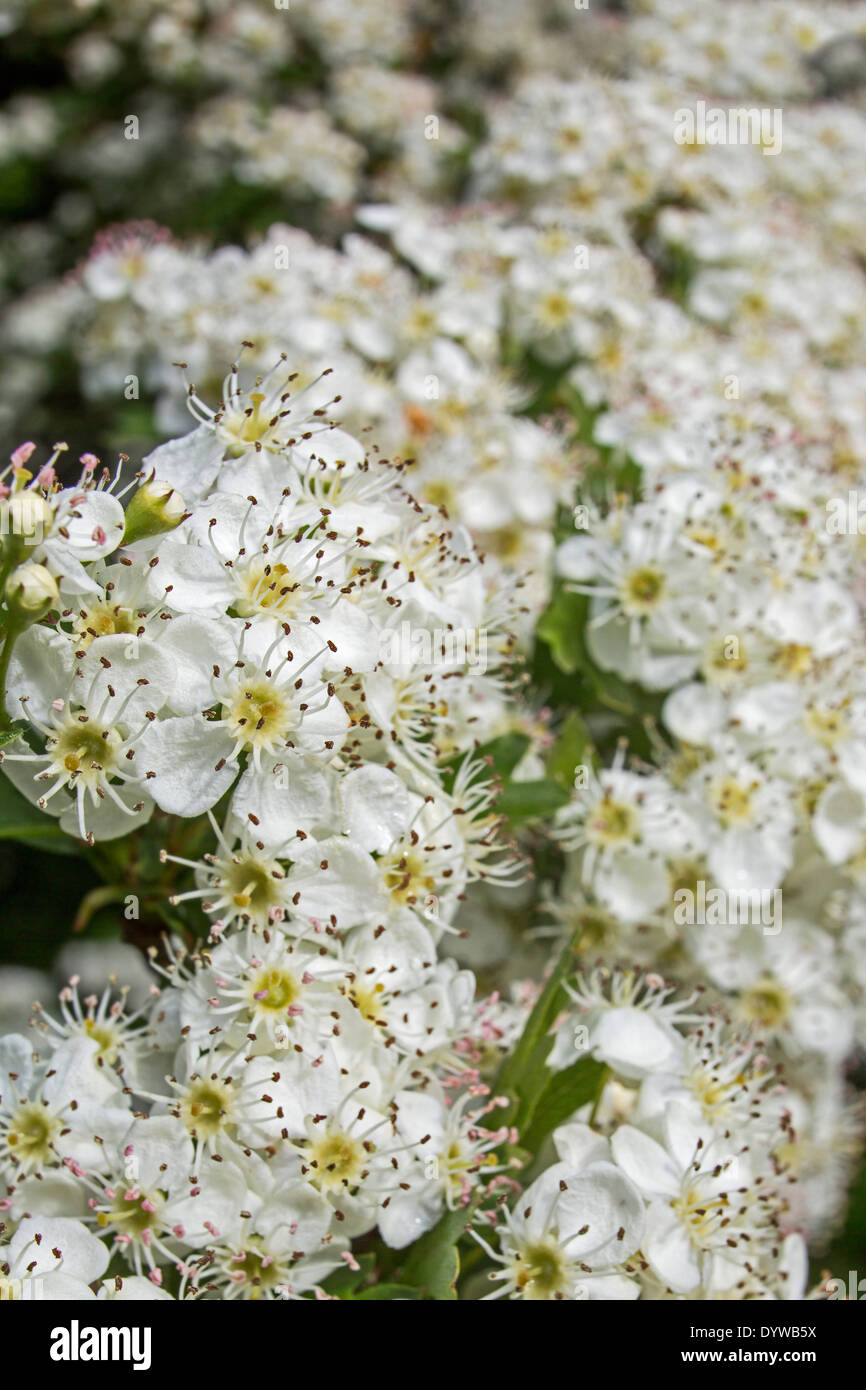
50 533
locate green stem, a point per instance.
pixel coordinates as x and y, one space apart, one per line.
93 901
13 632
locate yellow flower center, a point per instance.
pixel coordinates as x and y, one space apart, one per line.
612 823
336 1161
367 1001
85 752
731 800
407 877
205 1107
30 1134
641 590
266 588
767 1003
248 427
259 716
555 309
700 1215
829 726
102 620
105 1036
130 1214
540 1271
253 885
275 989
255 1272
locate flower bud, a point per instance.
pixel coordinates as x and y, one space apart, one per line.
31 592
155 508
26 515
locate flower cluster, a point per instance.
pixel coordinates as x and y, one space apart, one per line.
311 1074
675 1181
305 636
420 366
288 1090
568 650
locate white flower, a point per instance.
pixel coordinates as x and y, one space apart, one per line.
284 1249
92 732
706 1217
571 1232
152 1206
55 1257
789 984
63 1111
629 1021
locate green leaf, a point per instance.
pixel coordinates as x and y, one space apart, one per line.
433 1262
344 1282
28 825
381 1292
565 1092
571 749
505 752
9 735
526 801
524 1075
564 669
561 627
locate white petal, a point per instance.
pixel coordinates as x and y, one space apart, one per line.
577 1145
134 1288
606 1201
350 887
16 1059
578 558
94 524
742 860
40 668
695 713
219 520
765 710
195 645
189 463
632 1042
409 1215
185 753
838 821
129 659
162 1152
375 805
294 1218
322 730
71 574
291 792
62 1288
669 1251
608 1287
332 446
105 820
189 578
648 1165
632 884
354 635
83 1256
